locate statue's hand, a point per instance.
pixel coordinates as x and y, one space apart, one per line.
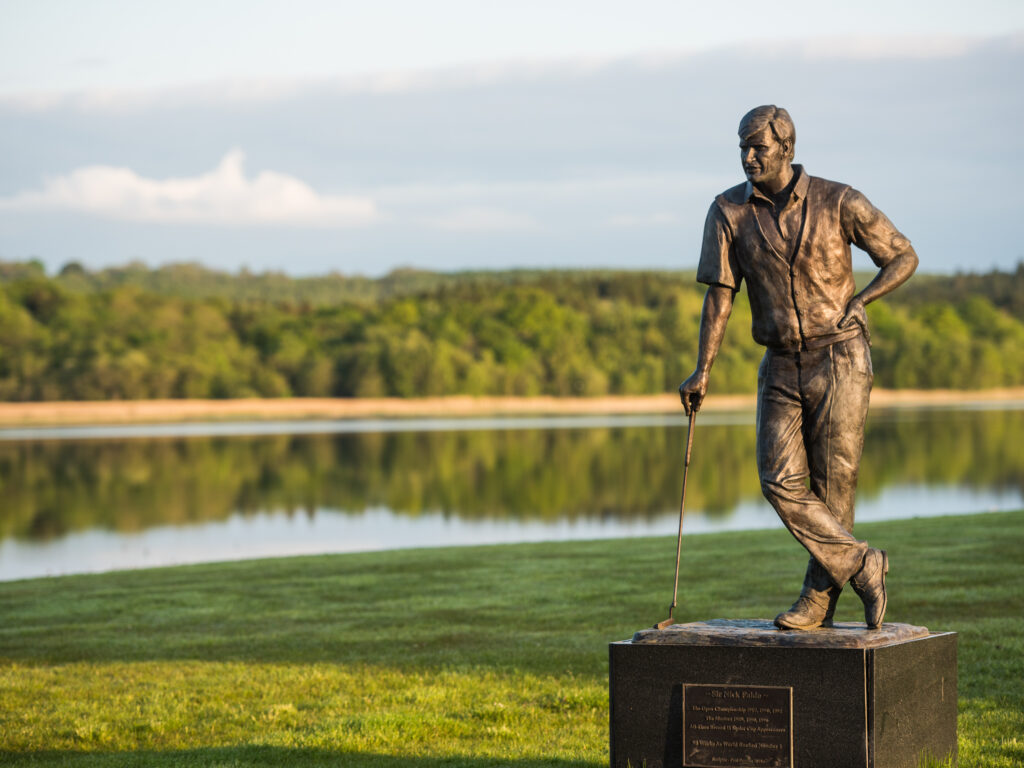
692 391
855 313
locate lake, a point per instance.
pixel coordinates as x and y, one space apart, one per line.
90 499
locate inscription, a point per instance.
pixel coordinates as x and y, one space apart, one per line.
737 726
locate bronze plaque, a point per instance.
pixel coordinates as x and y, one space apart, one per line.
737 726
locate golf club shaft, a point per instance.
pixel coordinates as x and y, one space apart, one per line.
682 506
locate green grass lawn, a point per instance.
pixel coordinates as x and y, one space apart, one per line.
479 656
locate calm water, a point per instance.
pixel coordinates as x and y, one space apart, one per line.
101 498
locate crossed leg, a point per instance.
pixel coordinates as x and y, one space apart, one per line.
812 407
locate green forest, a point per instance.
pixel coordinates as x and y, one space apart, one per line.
184 331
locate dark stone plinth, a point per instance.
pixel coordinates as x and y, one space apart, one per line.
857 697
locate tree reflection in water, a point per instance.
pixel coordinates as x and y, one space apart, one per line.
51 488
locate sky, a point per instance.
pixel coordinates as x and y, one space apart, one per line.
309 137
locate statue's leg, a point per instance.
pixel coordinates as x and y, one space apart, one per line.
784 469
835 409
779 412
834 434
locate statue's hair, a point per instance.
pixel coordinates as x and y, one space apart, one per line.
775 118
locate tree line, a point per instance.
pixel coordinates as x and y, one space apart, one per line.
187 332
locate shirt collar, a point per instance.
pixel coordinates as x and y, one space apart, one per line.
799 189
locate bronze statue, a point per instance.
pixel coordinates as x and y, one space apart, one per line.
788 234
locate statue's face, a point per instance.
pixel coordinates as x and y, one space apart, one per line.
764 159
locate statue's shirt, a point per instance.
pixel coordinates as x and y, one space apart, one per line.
796 261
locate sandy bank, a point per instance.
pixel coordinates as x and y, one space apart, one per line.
155 411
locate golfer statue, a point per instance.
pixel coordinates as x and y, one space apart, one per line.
788 235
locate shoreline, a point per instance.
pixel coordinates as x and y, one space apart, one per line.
66 413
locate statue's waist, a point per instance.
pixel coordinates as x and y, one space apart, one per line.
816 342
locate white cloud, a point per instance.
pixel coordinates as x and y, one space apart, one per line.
251 89
872 48
480 219
223 196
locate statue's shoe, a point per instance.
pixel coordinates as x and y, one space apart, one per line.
809 611
869 584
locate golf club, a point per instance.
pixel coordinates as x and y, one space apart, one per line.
679 540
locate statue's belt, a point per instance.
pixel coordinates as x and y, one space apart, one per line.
819 342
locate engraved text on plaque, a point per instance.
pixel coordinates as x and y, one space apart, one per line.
737 725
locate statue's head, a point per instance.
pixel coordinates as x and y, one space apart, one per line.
767 139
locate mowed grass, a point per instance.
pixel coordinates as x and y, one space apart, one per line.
478 656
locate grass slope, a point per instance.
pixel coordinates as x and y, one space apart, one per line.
446 657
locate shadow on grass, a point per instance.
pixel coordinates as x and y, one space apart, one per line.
267 757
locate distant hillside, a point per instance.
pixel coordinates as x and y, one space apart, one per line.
1005 290
194 281
187 331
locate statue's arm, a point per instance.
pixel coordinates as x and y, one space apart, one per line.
891 276
714 316
868 228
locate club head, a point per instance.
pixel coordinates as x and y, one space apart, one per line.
666 623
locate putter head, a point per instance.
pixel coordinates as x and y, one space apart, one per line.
666 623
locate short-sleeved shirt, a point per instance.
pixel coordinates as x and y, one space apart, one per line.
797 262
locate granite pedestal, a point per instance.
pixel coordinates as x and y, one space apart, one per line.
739 694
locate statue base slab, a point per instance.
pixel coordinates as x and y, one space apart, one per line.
741 693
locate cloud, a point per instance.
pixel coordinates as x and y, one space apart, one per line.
498 72
223 196
906 48
545 170
480 219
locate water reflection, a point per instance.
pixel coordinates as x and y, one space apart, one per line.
592 475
